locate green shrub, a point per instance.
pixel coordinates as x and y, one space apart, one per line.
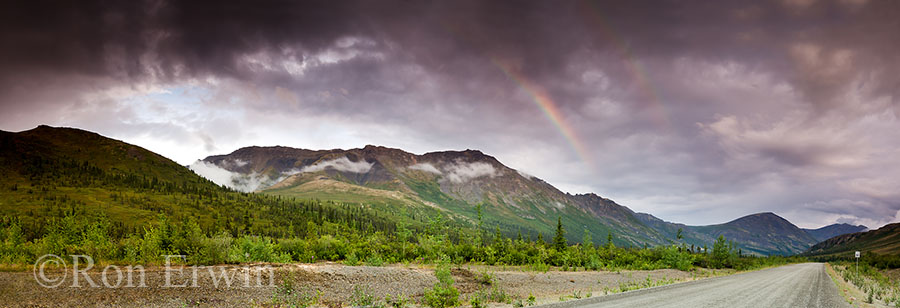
153 245
298 249
485 278
374 260
477 301
12 242
673 258
361 297
723 253
214 250
255 249
396 302
518 303
286 296
351 260
131 248
187 238
539 266
444 294
96 242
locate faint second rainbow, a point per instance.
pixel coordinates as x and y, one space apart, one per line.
658 111
543 100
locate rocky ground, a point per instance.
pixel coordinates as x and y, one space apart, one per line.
332 285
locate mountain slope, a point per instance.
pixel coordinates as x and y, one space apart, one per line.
761 234
452 181
455 181
884 240
49 170
54 172
31 152
830 231
50 173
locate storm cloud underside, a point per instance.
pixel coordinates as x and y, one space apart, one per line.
695 111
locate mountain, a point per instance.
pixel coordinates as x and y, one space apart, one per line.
54 172
884 240
34 152
761 234
50 170
451 181
456 181
50 173
830 231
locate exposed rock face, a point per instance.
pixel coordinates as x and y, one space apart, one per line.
453 180
449 181
456 181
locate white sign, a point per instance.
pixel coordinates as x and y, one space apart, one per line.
857 254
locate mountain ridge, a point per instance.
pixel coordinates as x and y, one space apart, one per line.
388 180
832 230
884 240
455 181
428 179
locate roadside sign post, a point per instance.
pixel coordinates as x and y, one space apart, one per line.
857 265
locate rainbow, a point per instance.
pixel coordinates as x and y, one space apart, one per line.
632 65
542 99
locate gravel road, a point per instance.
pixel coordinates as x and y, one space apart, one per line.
798 285
334 282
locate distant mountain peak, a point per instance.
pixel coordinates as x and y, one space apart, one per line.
769 216
448 181
833 230
764 214
884 240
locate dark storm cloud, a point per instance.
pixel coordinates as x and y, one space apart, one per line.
814 44
728 107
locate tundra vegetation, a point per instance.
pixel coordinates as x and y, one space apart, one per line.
340 241
871 277
140 210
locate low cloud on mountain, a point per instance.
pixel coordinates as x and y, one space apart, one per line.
233 180
459 172
425 167
696 111
342 164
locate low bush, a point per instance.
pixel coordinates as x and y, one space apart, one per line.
444 294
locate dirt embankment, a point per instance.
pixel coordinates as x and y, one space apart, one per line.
275 285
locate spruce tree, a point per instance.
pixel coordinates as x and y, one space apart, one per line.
559 240
586 240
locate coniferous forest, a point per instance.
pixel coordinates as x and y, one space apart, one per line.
67 206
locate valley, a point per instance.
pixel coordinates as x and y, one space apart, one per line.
456 181
352 213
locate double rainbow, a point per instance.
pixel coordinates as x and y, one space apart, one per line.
543 100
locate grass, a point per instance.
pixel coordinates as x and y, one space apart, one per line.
839 283
868 286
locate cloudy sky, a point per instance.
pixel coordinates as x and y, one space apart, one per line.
695 111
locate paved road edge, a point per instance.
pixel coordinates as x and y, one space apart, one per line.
610 297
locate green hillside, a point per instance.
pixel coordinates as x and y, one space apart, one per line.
829 231
883 241
758 234
67 178
67 191
453 182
